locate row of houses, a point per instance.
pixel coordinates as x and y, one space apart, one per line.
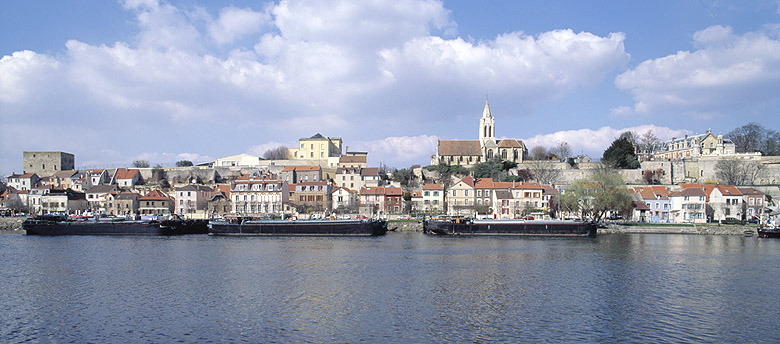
696 203
80 181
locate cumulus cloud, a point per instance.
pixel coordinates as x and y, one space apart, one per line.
399 151
234 23
727 74
594 142
540 67
188 75
259 150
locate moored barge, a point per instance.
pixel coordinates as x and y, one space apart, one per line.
465 226
300 228
768 233
62 225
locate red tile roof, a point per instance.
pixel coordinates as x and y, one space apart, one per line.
433 187
123 173
155 195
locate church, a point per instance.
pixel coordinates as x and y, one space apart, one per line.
468 153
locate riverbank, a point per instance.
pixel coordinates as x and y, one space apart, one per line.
11 224
708 229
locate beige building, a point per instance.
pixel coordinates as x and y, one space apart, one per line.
703 145
47 163
460 197
471 152
317 147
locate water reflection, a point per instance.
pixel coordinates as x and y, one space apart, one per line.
397 288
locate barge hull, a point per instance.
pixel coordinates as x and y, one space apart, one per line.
171 227
300 228
511 228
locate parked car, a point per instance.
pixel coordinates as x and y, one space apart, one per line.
732 221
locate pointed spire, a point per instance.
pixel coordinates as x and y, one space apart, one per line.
486 112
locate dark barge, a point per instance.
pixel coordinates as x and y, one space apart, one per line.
768 233
62 225
465 226
300 228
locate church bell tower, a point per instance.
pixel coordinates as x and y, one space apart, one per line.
486 126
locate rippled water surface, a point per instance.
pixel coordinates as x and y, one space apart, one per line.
403 287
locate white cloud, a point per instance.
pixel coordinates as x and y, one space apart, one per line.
621 112
23 72
727 75
594 142
315 66
259 150
234 23
399 151
550 63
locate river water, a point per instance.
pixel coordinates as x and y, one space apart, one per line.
399 288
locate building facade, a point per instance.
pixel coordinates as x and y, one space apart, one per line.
47 163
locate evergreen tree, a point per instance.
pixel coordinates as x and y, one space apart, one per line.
620 154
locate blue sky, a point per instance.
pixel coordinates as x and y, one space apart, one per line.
163 81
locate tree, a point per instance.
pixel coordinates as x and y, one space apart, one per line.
140 164
596 196
738 172
183 163
539 153
753 137
545 172
278 153
653 177
647 141
404 176
621 153
562 151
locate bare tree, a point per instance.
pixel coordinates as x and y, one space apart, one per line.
562 150
738 172
278 153
539 153
648 140
544 172
140 164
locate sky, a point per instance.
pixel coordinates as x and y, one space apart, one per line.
163 81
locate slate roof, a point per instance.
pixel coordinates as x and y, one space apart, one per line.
459 148
102 189
195 188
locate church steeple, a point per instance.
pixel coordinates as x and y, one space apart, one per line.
486 126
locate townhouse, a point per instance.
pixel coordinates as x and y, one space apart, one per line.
310 197
219 204
688 205
432 198
255 194
460 197
122 203
344 199
155 202
26 181
753 203
192 198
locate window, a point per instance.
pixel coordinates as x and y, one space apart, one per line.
435 193
466 193
427 193
479 193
